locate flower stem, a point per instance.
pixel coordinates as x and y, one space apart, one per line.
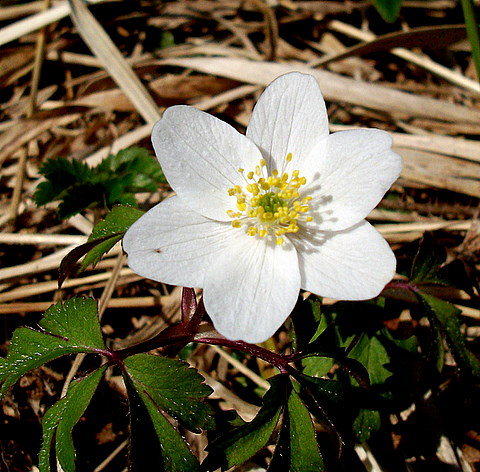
281 362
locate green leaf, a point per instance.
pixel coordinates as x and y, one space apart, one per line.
115 180
167 39
69 327
317 366
366 423
237 446
131 170
371 353
156 385
428 261
154 442
113 227
104 236
445 316
329 393
61 174
388 9
304 453
60 419
79 197
174 387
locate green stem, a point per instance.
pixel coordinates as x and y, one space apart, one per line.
473 32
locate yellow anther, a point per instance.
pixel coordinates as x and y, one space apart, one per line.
270 205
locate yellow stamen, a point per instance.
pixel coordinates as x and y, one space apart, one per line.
270 205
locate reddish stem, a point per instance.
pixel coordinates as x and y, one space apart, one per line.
278 360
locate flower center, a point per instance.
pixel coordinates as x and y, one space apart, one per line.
271 202
270 205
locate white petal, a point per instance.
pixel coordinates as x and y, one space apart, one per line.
354 264
289 117
174 245
252 289
200 156
348 174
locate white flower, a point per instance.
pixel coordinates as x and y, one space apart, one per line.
258 217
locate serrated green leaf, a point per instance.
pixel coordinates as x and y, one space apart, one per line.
79 197
154 444
117 221
61 174
114 226
104 245
174 387
237 446
388 9
304 454
62 417
131 170
75 320
115 180
69 265
70 327
445 315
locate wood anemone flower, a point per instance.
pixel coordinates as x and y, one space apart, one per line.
256 218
